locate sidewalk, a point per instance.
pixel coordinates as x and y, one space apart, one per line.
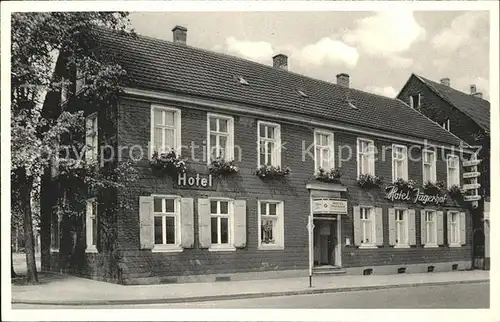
70 290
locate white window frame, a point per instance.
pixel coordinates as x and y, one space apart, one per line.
419 100
448 177
404 162
433 166
429 243
176 128
279 234
276 154
362 229
456 226
230 240
371 164
165 248
330 147
230 137
91 137
406 242
91 248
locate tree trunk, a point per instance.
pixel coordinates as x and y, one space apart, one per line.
12 271
26 185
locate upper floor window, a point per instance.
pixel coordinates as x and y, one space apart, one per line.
165 128
453 170
366 157
323 150
220 137
91 148
269 144
429 165
399 162
415 101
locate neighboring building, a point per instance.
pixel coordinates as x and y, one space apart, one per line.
467 115
202 227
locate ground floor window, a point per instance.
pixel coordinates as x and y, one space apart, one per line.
270 214
220 222
166 212
366 229
401 227
454 228
430 227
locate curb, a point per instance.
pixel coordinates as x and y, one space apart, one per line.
224 297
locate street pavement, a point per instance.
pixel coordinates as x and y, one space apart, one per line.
466 296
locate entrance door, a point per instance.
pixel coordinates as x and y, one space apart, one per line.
324 242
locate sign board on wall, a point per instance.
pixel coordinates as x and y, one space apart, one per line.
194 181
416 196
329 206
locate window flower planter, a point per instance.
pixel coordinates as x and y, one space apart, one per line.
407 186
221 167
168 162
367 181
267 172
456 192
330 176
432 188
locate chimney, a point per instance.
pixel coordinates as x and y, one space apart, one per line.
280 61
478 94
343 79
179 34
473 89
445 81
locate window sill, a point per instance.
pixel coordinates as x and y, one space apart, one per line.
167 249
222 249
368 246
454 245
401 246
270 247
431 246
91 249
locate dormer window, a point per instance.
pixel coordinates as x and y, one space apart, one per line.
242 80
415 101
301 93
446 125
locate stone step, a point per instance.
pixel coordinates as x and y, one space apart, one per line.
328 270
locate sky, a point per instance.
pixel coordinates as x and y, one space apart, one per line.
379 50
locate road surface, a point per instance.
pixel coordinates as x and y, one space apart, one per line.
448 296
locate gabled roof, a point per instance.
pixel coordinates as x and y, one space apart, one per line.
161 65
476 108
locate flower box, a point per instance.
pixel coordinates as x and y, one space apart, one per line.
328 176
168 162
367 181
432 188
456 192
220 167
407 186
269 172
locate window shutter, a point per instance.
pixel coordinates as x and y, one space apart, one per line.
379 227
146 222
356 220
187 223
392 227
240 220
88 223
412 239
448 227
423 230
440 224
462 224
204 223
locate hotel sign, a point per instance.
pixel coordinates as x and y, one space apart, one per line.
329 206
415 196
194 181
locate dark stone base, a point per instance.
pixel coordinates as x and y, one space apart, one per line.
487 263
